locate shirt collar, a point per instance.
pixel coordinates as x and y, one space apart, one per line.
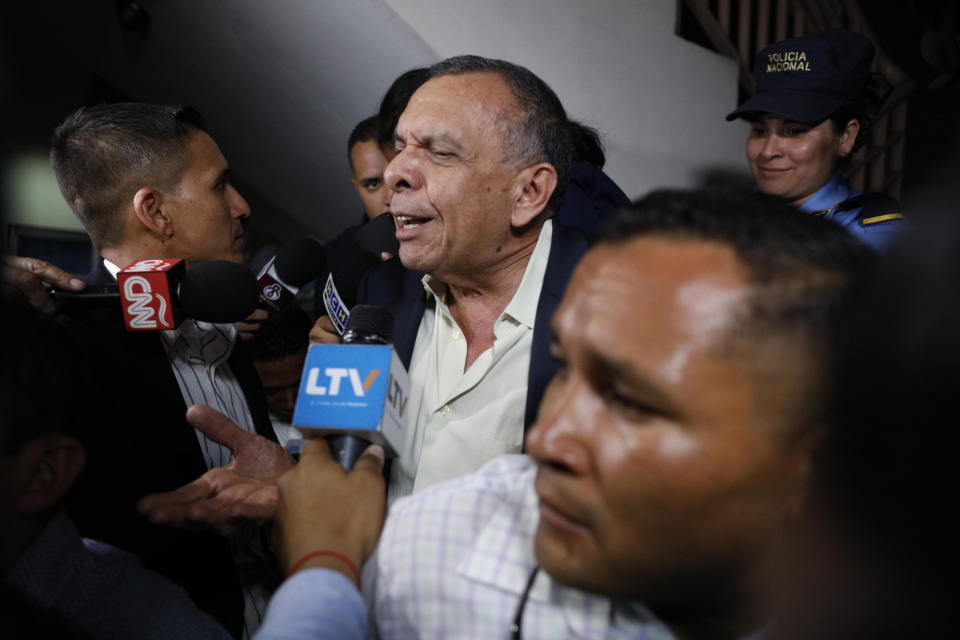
523 305
828 196
112 268
201 341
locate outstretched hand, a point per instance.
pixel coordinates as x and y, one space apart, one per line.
222 498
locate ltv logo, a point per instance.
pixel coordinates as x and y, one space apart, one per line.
353 389
335 376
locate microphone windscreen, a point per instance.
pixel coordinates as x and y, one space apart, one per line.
370 320
219 291
378 236
300 261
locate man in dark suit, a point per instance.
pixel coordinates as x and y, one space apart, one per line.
483 158
147 181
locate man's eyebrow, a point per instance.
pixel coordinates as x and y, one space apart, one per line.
613 368
223 176
433 140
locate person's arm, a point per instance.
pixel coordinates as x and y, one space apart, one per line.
328 523
315 604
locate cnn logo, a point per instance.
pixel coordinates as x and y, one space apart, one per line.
145 293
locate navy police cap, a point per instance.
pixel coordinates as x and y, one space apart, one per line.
804 79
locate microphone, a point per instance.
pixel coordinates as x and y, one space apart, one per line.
340 289
345 394
297 263
159 294
378 236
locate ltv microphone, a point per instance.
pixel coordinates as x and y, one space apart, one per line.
158 294
297 263
355 393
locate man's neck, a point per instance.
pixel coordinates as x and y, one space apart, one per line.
477 300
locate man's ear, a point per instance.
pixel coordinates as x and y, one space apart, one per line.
148 205
46 469
804 450
535 184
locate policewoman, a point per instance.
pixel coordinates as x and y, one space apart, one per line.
813 108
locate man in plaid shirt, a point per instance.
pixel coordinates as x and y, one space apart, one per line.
671 450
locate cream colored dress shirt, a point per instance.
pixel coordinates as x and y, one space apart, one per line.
458 420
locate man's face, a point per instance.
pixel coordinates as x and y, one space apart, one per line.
452 192
661 474
281 381
368 163
206 210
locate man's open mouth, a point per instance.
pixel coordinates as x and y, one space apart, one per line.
409 222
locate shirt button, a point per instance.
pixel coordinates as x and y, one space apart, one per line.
455 335
445 410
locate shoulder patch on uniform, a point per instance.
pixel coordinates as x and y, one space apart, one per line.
883 218
876 208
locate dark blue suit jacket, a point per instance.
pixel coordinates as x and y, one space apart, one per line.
400 290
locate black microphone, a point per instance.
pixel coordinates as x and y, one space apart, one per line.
368 324
340 289
211 291
298 262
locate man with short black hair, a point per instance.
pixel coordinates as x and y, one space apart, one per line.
367 163
147 181
671 450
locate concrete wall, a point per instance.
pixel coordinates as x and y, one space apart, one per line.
658 101
282 83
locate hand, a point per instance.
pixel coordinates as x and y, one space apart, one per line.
251 324
28 275
222 498
324 507
323 332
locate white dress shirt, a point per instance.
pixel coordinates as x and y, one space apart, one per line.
458 420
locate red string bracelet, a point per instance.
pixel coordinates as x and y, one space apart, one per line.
336 554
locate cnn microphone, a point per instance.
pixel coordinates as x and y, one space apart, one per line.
159 294
297 263
355 393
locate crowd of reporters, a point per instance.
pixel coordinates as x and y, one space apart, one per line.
729 405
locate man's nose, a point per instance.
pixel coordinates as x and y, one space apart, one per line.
401 173
561 435
238 204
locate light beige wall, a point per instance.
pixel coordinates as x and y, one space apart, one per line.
659 101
